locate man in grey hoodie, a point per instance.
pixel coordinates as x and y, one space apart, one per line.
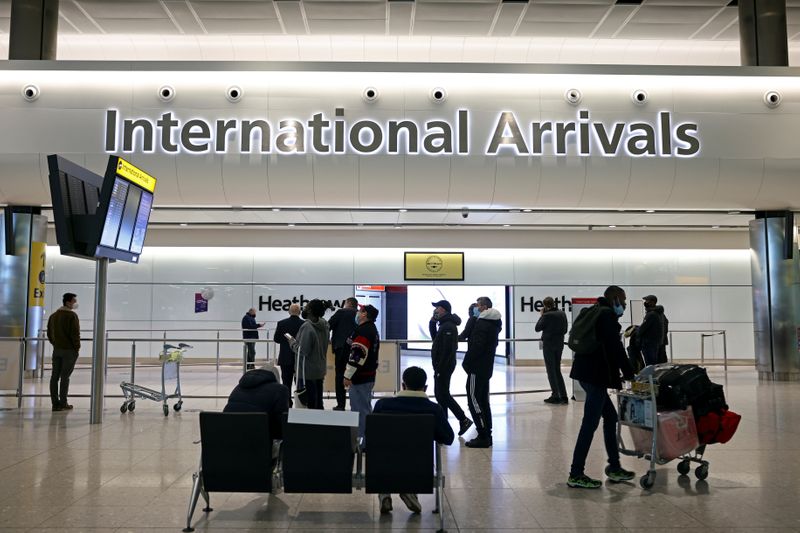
311 349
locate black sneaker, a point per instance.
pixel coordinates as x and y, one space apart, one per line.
338 408
464 426
618 475
583 482
551 399
562 401
480 442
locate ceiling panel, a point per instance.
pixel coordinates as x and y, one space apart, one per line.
616 18
658 31
400 14
110 9
231 9
447 12
556 29
347 27
184 17
724 19
239 26
565 13
431 27
326 9
507 19
5 24
133 26
293 18
673 14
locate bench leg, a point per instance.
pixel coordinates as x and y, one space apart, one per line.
192 502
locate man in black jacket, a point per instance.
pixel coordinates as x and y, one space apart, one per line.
553 325
597 371
444 332
291 326
249 333
479 365
258 391
662 349
651 332
342 324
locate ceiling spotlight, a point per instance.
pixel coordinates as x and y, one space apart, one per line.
714 227
398 227
276 209
527 210
506 225
184 224
734 212
650 211
290 225
403 210
612 226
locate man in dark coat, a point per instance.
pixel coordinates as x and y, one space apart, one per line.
479 366
651 332
444 333
413 400
662 349
597 371
64 333
342 324
553 326
291 326
258 391
250 333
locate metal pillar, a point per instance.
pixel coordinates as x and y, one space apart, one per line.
775 265
99 344
762 33
34 29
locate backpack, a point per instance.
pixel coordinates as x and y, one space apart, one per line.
583 335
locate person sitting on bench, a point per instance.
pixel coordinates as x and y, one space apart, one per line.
413 400
259 391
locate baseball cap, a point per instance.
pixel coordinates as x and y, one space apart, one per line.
372 311
651 298
444 304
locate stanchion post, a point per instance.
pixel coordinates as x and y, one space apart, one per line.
671 344
21 372
244 357
725 350
702 349
133 361
217 350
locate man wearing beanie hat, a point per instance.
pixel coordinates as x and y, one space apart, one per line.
444 333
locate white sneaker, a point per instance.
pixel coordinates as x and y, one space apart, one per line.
411 502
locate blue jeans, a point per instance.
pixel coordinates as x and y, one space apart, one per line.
361 402
598 405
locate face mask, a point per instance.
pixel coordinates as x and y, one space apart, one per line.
476 312
619 309
436 315
303 314
74 307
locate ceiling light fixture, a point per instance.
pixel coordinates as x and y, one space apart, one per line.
184 224
403 210
734 212
650 211
714 227
276 209
506 225
290 225
527 210
612 226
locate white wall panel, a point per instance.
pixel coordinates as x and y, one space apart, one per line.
730 267
561 267
739 181
193 265
608 173
695 180
652 180
472 182
130 301
517 181
304 265
244 179
336 181
291 180
563 181
427 182
381 181
732 304
377 266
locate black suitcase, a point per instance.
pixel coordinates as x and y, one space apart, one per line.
711 401
680 386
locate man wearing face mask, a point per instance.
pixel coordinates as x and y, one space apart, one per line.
362 366
64 333
250 332
479 366
342 323
598 370
651 332
443 328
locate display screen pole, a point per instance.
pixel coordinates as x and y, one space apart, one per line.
99 344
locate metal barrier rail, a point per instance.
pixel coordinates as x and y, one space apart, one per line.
704 334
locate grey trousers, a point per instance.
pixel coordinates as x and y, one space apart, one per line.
552 363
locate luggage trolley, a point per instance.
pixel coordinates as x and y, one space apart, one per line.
638 408
170 358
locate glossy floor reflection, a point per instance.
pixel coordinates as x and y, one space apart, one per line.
133 473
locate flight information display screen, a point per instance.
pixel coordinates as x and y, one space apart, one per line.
130 200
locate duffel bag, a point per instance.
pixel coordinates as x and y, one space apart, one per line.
679 386
713 400
717 427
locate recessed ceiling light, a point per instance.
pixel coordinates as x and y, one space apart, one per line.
403 210
291 225
398 227
527 210
184 224
276 209
612 226
650 211
734 212
506 225
714 227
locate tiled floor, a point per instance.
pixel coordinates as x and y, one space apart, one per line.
133 472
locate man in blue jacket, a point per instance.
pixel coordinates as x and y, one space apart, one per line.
250 332
414 400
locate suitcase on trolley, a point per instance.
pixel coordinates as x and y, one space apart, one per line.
679 386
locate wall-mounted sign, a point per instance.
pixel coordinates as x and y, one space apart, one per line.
36 277
447 266
320 134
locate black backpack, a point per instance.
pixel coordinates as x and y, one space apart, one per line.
583 335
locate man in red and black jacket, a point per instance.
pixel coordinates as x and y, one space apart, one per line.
359 376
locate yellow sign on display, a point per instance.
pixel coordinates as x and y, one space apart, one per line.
36 274
135 175
434 266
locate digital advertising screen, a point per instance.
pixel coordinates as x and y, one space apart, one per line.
460 297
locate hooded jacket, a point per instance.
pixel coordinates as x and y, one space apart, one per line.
311 348
445 343
479 359
258 391
664 324
602 367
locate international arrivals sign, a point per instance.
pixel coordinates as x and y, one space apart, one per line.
656 135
